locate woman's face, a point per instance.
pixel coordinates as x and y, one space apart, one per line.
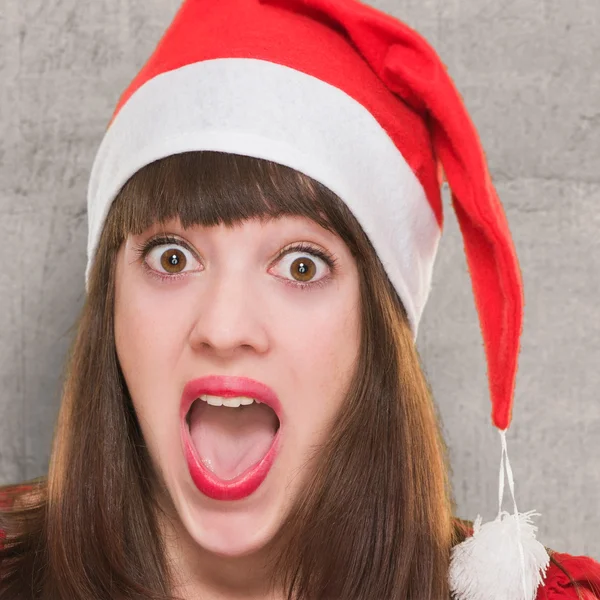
262 310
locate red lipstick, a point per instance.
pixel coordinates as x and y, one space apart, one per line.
227 387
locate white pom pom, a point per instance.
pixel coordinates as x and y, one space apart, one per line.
493 565
502 560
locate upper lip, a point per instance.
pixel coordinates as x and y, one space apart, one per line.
228 386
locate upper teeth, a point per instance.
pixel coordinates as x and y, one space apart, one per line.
232 402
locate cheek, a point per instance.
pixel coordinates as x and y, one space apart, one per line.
148 338
137 321
150 328
321 352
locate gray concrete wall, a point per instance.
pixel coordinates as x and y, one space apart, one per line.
528 73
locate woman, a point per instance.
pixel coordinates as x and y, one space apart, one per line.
244 414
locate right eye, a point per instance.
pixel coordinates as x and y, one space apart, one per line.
170 259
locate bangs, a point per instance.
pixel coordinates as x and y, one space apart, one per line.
212 188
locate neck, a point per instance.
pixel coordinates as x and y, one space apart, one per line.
199 574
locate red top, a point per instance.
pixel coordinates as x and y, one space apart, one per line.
584 570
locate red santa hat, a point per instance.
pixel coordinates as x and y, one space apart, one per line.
360 102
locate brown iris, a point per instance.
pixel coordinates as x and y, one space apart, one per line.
303 269
173 260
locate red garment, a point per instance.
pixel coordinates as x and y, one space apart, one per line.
584 571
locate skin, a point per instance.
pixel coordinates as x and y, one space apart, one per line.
234 310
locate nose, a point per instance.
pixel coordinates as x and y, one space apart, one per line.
230 317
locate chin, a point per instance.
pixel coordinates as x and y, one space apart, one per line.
234 537
235 528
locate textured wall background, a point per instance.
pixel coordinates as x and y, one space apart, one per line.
528 70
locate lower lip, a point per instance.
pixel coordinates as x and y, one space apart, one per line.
233 489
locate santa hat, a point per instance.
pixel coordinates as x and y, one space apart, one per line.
360 102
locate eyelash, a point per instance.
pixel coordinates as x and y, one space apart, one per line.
142 250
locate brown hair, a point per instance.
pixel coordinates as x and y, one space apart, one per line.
376 519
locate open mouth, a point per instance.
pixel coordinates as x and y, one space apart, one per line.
231 436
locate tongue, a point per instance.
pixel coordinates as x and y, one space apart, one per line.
230 440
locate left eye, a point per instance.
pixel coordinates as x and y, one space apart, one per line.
302 267
169 259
